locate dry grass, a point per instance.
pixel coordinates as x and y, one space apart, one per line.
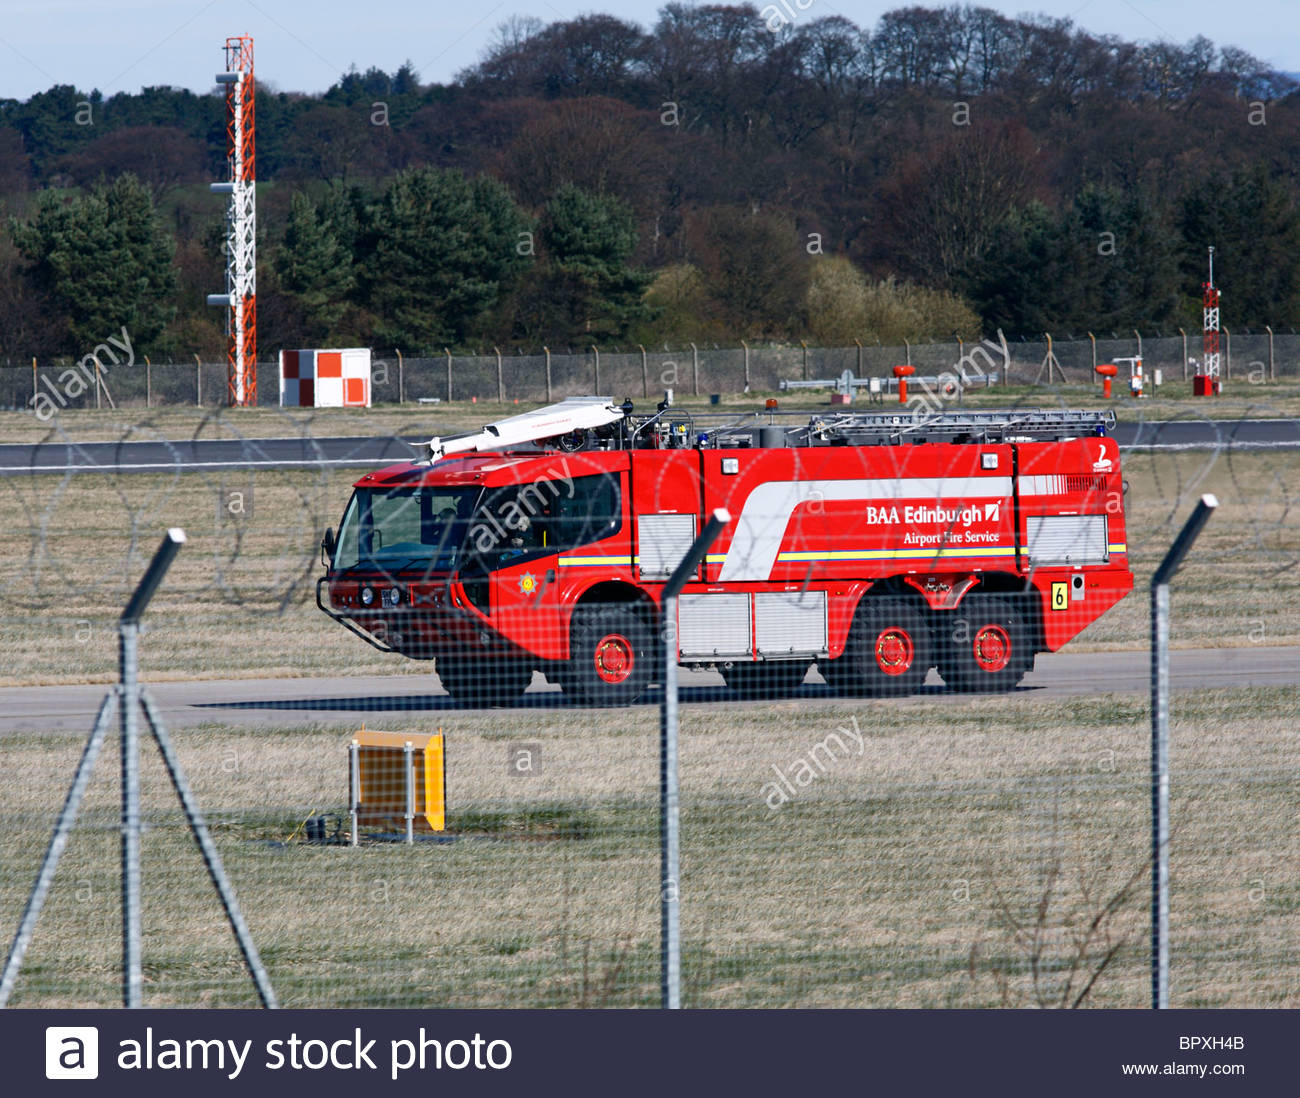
875 886
240 598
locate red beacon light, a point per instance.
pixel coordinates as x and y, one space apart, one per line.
903 373
1107 371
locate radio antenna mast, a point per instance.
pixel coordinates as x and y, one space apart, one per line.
240 298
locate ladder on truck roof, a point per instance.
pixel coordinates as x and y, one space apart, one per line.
1012 425
769 429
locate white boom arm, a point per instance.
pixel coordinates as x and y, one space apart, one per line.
573 414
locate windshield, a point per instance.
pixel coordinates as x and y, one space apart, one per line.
432 529
405 528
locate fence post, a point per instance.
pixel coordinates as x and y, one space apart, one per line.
132 976
746 347
501 383
35 394
670 944
1227 353
645 374
1184 335
401 377
448 354
1093 340
695 370
198 382
148 382
907 347
1272 374
804 344
128 693
548 374
858 371
1160 748
596 351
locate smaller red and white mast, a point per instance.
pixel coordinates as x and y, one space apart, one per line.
1210 355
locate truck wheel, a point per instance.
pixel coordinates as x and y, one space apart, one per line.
610 656
483 682
986 645
888 651
765 679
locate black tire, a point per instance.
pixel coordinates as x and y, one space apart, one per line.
888 651
766 678
483 682
610 655
985 645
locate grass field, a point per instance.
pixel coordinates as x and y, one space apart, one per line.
240 598
956 861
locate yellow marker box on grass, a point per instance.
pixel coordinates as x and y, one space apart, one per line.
381 760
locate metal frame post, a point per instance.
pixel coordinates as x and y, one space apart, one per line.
354 785
211 858
58 842
1160 748
670 945
408 774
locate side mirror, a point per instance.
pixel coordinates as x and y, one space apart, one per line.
328 544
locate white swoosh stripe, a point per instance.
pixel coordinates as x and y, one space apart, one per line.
760 529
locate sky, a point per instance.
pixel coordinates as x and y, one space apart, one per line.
305 45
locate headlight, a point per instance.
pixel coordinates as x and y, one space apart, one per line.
392 596
367 596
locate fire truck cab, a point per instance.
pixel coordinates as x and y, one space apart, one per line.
876 546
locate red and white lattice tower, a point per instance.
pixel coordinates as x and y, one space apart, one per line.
240 298
1210 356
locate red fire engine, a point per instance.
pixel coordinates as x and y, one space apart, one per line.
874 545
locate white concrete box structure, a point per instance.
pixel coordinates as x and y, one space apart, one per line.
325 378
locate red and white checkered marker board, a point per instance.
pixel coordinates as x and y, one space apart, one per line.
325 379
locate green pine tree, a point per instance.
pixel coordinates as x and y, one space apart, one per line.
103 260
596 295
437 251
315 269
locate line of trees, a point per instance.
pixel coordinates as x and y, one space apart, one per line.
732 171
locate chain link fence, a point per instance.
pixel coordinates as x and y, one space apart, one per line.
948 848
693 369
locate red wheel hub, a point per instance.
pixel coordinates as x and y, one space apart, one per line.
992 648
894 651
614 658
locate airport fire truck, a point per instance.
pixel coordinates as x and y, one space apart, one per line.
874 545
